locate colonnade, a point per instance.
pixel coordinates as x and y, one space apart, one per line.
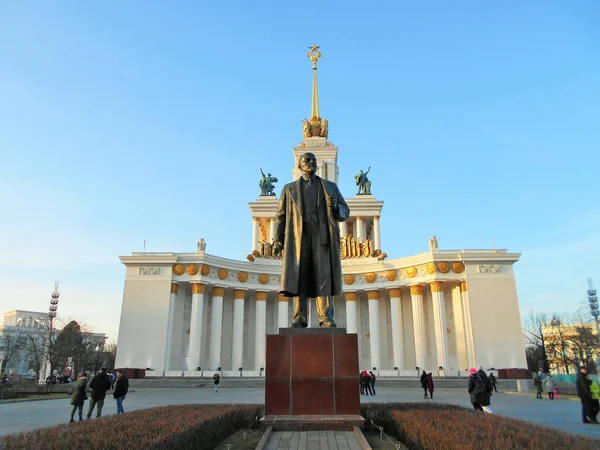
197 320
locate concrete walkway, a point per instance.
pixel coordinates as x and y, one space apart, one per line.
312 440
564 414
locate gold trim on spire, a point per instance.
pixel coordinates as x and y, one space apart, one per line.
315 127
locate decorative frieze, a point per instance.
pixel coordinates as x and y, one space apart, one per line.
222 273
204 270
430 268
489 268
192 269
149 271
443 267
458 267
411 272
242 277
178 269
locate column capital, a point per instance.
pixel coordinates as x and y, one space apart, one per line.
373 295
359 218
463 286
198 288
261 296
174 288
350 296
256 219
375 217
416 289
437 286
273 219
239 294
395 292
282 298
218 291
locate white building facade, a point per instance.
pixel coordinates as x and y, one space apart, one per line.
440 310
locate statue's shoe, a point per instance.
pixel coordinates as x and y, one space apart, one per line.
299 324
328 323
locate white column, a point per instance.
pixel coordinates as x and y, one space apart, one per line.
439 320
309 307
416 295
172 300
343 229
196 326
255 231
396 319
261 330
376 235
351 312
359 232
216 327
374 328
466 309
282 312
237 347
272 229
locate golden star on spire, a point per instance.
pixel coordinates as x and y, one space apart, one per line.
314 48
314 54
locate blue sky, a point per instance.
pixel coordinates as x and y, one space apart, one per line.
129 121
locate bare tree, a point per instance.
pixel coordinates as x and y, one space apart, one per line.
111 355
11 341
533 331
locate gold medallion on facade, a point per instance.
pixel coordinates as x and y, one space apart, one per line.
178 269
443 267
242 277
458 267
192 269
222 273
371 277
204 270
391 275
411 272
263 278
430 268
348 279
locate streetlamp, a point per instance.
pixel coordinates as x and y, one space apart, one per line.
51 315
593 300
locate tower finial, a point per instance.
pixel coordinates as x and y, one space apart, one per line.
314 126
314 54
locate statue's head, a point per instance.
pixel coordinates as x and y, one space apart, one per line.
307 163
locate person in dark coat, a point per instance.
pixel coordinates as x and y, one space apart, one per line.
307 232
486 398
476 389
492 380
372 379
121 388
365 380
430 386
99 385
78 397
424 383
585 395
537 382
216 381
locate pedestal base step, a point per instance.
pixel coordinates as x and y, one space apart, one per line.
313 422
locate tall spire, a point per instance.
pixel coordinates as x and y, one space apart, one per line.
314 54
315 127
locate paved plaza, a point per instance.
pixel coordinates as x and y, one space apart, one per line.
564 414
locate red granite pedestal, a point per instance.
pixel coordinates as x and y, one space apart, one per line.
312 380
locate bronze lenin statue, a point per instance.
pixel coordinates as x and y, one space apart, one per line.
307 228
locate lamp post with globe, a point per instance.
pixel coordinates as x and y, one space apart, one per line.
46 367
593 301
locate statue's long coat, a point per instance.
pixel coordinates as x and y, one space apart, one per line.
289 233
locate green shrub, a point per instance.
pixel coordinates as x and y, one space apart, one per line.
423 426
181 427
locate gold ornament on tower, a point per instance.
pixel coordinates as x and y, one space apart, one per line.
458 267
443 267
192 269
430 268
178 269
315 126
371 277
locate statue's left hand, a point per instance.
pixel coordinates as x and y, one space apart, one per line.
331 202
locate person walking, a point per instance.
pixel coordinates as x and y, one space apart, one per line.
537 382
372 380
595 390
476 389
585 395
216 380
424 383
492 380
430 386
486 399
78 397
121 388
99 385
549 384
366 382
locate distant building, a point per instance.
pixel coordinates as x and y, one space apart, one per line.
17 331
568 346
